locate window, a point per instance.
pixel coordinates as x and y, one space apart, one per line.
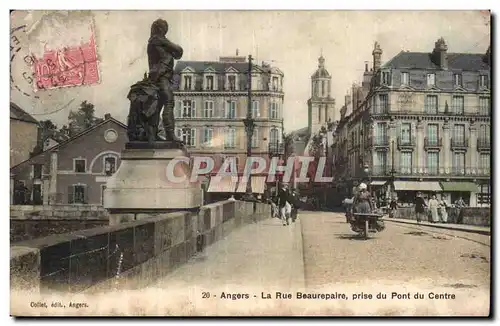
188 109
187 135
383 100
274 135
484 194
432 134
484 134
79 165
208 134
230 110
484 161
188 82
273 110
458 105
380 133
405 78
208 111
380 166
322 88
484 106
255 138
109 165
405 133
459 163
457 79
406 162
232 82
255 109
483 81
459 134
431 79
209 83
230 138
431 104
433 162
319 113
386 78
275 84
77 194
37 171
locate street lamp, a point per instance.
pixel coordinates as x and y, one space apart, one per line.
367 172
249 129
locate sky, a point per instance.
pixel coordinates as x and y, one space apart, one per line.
289 40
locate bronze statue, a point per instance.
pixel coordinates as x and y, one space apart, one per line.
161 55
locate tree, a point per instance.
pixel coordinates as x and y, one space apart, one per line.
288 145
49 129
82 119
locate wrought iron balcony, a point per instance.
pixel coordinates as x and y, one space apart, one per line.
483 144
459 142
433 143
381 109
276 148
406 142
381 141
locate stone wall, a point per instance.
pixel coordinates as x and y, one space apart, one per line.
479 216
127 255
30 222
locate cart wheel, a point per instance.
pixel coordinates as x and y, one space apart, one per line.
366 228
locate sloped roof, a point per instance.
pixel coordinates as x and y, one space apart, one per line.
219 67
423 60
19 114
321 73
81 134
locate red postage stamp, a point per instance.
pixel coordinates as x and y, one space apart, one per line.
68 66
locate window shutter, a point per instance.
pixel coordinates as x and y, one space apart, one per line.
270 110
193 109
70 194
85 195
193 137
177 111
224 109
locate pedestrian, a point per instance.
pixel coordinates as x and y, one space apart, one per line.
419 207
393 206
434 209
443 211
460 204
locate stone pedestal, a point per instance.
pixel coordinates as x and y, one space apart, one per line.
142 184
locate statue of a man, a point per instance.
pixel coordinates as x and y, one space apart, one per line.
161 55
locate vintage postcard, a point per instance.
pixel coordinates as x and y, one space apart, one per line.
250 163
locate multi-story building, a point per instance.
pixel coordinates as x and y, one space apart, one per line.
74 171
425 126
211 101
24 134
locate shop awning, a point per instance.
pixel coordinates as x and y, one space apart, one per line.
378 183
417 186
223 184
460 186
258 184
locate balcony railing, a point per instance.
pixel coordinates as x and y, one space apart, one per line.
468 111
483 143
380 141
466 171
459 142
406 142
381 109
276 148
433 142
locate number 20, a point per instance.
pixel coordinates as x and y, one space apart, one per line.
205 295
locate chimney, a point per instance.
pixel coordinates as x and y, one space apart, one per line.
366 66
377 56
439 54
107 116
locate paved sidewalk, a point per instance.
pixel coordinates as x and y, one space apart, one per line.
448 226
264 256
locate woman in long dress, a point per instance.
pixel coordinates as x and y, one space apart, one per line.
443 211
434 208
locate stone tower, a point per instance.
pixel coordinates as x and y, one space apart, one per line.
321 106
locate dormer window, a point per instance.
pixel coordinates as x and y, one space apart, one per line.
231 82
386 78
483 81
431 80
209 83
275 84
457 80
188 82
405 78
